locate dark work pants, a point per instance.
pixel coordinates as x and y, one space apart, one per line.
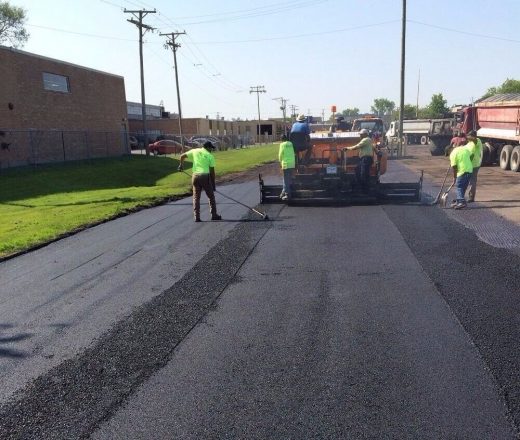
203 182
363 171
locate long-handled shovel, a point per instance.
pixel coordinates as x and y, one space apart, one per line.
444 197
261 214
442 187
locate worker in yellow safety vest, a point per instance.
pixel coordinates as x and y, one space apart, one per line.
203 177
474 146
287 161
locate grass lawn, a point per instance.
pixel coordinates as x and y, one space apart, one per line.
39 205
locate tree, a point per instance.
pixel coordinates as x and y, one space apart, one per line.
410 112
350 112
508 86
437 107
12 21
382 106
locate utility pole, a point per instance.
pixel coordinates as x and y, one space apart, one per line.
403 56
417 107
258 90
138 21
294 108
171 43
322 115
283 108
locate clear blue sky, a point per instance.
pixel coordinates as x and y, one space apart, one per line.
313 53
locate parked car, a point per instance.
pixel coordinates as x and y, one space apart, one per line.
165 146
199 140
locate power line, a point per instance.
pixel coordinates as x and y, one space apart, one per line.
293 2
83 34
258 14
287 37
457 31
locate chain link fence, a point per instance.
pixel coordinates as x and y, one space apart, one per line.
37 147
221 142
20 148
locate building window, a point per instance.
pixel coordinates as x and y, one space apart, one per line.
55 83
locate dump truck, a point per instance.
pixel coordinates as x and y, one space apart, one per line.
497 122
415 131
327 176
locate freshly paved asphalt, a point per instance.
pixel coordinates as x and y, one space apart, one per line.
352 322
331 329
55 301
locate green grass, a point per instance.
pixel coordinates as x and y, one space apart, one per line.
39 205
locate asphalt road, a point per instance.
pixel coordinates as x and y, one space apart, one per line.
56 300
357 322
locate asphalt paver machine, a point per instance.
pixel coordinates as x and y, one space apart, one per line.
325 174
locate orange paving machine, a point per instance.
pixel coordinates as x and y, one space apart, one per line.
326 174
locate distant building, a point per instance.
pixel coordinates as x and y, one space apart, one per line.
45 103
241 130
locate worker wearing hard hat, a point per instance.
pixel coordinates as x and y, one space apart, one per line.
460 161
366 157
474 146
300 136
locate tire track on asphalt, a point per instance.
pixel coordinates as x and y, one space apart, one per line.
72 399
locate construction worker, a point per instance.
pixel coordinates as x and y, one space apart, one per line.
287 161
460 161
203 177
366 157
474 146
300 136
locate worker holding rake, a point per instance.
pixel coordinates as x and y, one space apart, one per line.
203 178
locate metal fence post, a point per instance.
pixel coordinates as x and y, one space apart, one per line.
63 146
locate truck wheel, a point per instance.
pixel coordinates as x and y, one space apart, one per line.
488 151
424 140
505 157
437 150
515 159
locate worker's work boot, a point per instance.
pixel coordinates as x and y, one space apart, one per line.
460 205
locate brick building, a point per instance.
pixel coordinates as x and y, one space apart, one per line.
52 111
237 129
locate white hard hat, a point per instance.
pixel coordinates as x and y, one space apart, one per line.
363 131
301 117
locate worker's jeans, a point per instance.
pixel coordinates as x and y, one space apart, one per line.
287 181
203 182
363 171
461 185
473 184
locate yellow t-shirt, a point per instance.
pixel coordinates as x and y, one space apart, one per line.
460 157
475 149
365 147
286 155
202 160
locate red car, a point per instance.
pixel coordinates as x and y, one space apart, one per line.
165 146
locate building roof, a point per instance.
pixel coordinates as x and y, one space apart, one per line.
500 99
12 49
